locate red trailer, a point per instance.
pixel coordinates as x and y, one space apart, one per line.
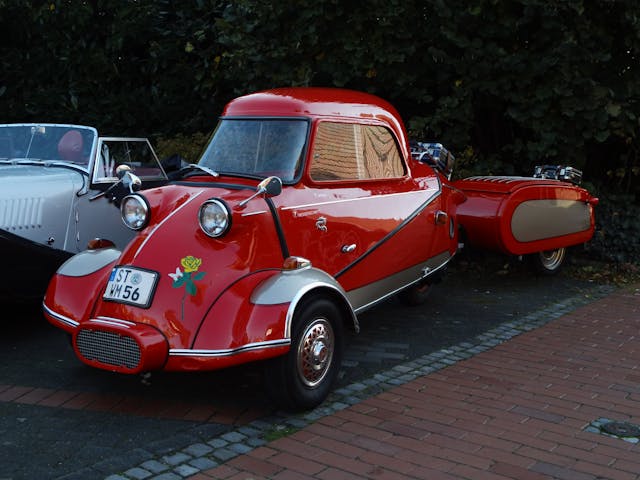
536 216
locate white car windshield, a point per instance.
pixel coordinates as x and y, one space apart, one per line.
257 147
47 142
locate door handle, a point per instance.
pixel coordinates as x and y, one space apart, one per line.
348 248
441 217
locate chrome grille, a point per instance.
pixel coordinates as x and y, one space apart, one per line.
108 348
497 179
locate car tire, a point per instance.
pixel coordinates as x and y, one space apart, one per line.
548 262
302 378
416 294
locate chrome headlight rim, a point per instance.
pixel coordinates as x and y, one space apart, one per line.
144 207
222 227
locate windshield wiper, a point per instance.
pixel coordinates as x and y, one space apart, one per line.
23 161
195 166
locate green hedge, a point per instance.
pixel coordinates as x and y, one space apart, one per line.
504 84
189 147
617 237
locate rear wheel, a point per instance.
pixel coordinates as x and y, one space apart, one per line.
548 262
416 294
303 377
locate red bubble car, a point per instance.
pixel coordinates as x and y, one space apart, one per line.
307 207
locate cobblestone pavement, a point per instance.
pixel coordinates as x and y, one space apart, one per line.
523 401
60 420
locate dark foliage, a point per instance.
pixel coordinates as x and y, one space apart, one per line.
506 84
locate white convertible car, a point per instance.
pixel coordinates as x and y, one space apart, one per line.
60 188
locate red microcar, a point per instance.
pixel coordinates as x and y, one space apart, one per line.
307 207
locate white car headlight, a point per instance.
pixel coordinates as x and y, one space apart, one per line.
214 217
135 211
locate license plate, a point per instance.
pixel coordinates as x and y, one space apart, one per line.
131 285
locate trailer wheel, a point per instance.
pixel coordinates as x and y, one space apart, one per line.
302 378
548 262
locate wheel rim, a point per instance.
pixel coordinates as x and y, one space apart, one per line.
315 352
552 259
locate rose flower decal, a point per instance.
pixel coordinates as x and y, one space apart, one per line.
191 265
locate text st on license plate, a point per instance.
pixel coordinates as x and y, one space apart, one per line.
131 285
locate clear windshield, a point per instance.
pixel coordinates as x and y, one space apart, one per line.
67 143
257 147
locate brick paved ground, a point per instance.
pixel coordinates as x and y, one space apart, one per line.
529 408
60 420
121 404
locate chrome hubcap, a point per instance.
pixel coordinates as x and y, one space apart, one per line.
315 352
551 259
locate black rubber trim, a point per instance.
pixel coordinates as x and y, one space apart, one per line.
279 230
388 236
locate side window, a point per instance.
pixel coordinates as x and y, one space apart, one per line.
106 169
135 153
381 156
344 151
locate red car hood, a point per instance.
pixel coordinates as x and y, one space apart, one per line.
193 269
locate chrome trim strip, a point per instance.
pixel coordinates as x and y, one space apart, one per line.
366 297
113 322
186 352
61 318
307 288
125 139
259 212
328 202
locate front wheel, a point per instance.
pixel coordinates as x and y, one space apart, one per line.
303 377
548 262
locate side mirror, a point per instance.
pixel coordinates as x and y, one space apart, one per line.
270 186
121 170
130 181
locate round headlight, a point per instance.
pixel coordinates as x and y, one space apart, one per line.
135 211
214 217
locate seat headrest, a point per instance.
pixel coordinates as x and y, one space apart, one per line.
70 146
